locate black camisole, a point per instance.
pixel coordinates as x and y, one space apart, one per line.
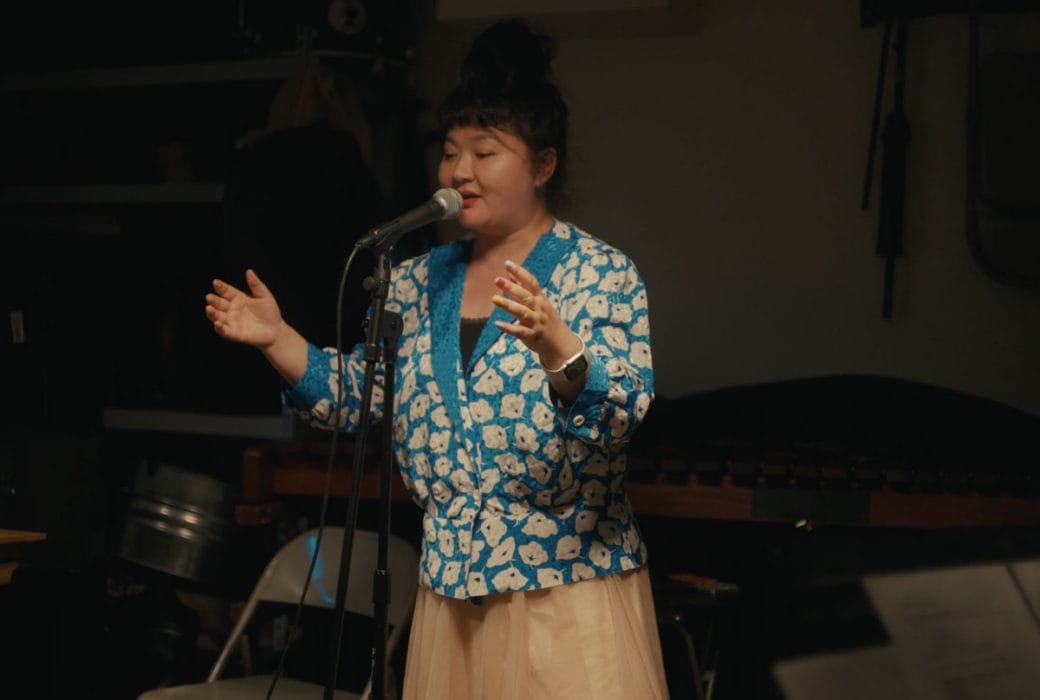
469 331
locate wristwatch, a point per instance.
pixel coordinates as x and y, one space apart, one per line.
574 366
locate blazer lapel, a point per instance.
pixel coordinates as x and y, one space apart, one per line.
447 272
550 250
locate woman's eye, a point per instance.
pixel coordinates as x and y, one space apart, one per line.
485 154
447 156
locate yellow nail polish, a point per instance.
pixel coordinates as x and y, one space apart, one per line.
498 299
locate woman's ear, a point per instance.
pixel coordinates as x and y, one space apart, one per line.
544 166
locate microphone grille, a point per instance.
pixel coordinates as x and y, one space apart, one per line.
450 200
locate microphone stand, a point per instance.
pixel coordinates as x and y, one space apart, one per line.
382 327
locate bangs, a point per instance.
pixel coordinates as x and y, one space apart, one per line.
468 110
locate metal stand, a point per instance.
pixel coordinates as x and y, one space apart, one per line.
382 328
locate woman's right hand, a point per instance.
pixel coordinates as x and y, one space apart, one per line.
253 319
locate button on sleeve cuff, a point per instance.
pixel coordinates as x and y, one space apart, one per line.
582 418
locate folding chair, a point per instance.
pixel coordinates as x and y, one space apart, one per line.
282 582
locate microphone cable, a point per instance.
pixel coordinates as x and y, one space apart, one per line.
337 407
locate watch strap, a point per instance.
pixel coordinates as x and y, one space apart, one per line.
573 365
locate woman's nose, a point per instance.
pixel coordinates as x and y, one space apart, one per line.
463 170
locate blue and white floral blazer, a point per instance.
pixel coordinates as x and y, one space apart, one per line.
520 492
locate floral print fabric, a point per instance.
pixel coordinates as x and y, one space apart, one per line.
519 491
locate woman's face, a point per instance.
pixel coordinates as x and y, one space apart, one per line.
493 171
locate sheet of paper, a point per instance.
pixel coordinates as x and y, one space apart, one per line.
964 633
859 674
1027 572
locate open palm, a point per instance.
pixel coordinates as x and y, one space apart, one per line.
253 318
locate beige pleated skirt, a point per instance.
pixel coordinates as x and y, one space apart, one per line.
594 639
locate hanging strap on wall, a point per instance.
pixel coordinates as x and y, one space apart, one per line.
895 138
891 206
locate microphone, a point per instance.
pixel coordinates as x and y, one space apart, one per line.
445 203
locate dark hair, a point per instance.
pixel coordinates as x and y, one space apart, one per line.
505 82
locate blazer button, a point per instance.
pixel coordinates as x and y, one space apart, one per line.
579 420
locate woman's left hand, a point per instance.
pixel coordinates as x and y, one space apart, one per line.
537 323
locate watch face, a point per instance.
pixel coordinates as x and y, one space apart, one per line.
576 368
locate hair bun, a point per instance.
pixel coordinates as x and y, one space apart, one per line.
508 58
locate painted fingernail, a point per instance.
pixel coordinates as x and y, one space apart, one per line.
500 281
498 299
500 324
510 265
